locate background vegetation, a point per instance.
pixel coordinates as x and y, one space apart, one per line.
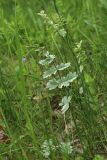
32 126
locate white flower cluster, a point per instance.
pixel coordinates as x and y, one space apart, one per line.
48 147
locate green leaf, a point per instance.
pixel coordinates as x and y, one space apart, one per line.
104 3
17 70
98 157
49 59
65 104
52 84
49 72
65 81
63 66
1 92
54 69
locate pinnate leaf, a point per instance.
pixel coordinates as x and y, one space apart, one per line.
65 104
49 59
63 82
54 69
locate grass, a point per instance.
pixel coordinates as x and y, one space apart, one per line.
31 123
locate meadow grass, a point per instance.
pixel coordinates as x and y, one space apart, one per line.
31 122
